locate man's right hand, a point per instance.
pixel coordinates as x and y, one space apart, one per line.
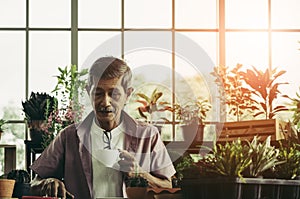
49 187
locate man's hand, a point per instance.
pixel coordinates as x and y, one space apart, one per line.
128 164
49 187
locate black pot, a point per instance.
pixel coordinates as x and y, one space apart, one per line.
21 189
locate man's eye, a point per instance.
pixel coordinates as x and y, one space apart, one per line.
98 93
115 95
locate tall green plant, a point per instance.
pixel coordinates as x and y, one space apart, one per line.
295 108
70 84
265 87
233 92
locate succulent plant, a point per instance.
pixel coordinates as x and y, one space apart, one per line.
39 106
21 176
136 181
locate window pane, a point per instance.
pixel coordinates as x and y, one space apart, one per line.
12 70
14 135
285 14
99 13
50 13
48 51
246 13
286 56
195 14
12 13
249 49
148 14
149 56
151 64
92 45
207 41
193 66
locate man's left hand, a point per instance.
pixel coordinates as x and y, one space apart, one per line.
128 163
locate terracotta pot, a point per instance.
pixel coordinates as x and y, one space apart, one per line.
136 192
6 188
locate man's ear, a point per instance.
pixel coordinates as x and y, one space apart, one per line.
129 91
88 88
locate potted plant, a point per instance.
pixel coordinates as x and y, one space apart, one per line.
237 98
136 187
37 109
6 187
2 128
151 106
22 182
192 116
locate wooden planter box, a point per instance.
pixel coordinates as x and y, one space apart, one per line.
236 188
246 130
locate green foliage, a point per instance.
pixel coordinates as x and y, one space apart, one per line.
184 164
230 159
193 111
2 123
233 92
69 84
237 159
295 108
265 87
263 157
39 106
289 153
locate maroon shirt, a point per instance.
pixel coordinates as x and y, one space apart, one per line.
68 157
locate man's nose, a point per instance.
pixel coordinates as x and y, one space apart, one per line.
105 100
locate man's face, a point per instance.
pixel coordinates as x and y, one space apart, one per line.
108 98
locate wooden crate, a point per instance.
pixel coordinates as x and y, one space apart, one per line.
246 130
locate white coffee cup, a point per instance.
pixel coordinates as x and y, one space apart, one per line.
108 157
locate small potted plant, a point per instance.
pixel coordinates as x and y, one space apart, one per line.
136 187
152 106
37 109
22 182
2 128
192 116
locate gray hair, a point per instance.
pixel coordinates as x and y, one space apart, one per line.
108 68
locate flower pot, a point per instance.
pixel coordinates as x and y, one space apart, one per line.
136 192
36 133
6 188
192 132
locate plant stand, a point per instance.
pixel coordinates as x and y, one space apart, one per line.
236 188
246 130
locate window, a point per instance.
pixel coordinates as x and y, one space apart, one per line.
37 36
